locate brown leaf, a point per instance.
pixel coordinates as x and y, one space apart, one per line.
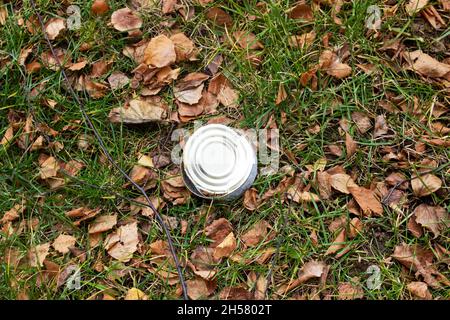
49 168
102 224
118 80
425 185
338 243
420 261
362 122
425 65
302 41
125 20
311 269
435 219
356 227
341 182
247 40
63 242
184 47
414 227
218 230
135 294
256 234
250 199
261 287
281 95
200 288
54 27
82 213
324 184
330 62
366 200
350 145
13 213
3 15
160 52
414 6
123 242
37 254
142 110
203 262
219 16
301 11
226 247
235 293
99 7
228 97
350 291
420 290
78 65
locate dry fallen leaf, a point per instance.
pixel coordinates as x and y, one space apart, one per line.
226 247
37 254
54 27
414 6
362 122
350 145
118 80
219 16
49 168
160 52
420 261
310 270
301 11
330 62
302 41
125 20
338 243
341 182
135 294
3 15
200 288
102 224
366 200
123 242
140 110
350 291
425 185
63 242
235 293
420 290
250 199
218 230
13 213
99 7
435 219
256 234
426 65
203 263
184 47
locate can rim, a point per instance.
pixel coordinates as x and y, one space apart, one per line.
217 141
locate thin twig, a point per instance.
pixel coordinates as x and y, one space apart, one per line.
99 139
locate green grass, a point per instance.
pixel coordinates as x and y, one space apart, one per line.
258 86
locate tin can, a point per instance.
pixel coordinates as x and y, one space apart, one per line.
218 163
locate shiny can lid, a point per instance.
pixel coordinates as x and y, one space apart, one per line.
218 160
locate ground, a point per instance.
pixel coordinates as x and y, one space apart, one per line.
369 106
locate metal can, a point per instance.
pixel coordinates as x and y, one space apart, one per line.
218 162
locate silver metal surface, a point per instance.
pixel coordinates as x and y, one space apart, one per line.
218 162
